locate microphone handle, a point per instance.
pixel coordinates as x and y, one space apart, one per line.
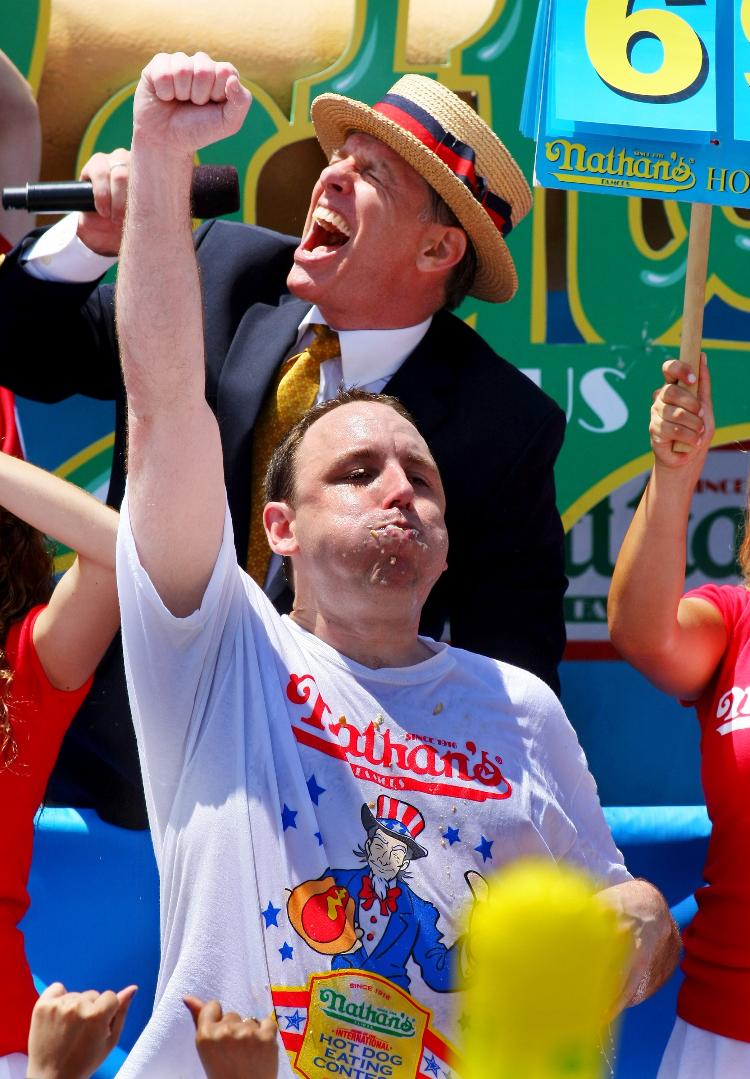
214 191
60 199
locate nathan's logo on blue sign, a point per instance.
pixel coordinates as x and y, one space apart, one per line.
641 96
618 167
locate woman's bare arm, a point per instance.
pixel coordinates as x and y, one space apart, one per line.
74 630
59 509
676 643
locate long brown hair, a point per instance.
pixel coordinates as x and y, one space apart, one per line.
743 552
26 576
743 541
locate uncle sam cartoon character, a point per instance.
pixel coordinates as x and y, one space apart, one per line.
369 918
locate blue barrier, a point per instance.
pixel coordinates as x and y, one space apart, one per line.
94 920
666 845
94 916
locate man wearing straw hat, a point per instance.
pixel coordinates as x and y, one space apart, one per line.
267 741
419 164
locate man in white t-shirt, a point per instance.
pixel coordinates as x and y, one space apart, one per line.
269 743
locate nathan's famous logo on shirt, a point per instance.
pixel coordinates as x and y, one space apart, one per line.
733 710
384 1020
351 1023
375 754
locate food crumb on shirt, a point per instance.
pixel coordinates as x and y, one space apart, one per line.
438 708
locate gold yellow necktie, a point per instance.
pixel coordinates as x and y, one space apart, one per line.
294 392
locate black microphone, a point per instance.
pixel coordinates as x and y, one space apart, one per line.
215 190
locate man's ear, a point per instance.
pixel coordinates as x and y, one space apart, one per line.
444 247
278 521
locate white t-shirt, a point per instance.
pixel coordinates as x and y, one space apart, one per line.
266 756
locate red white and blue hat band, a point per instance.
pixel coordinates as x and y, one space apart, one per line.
399 816
455 151
456 155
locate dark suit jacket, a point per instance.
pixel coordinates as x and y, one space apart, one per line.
494 434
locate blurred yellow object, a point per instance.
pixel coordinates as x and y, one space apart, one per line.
548 960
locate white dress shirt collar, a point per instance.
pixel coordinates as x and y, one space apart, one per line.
370 356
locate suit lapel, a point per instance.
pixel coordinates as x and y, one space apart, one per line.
425 380
263 339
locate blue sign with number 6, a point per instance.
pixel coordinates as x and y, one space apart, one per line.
642 97
641 65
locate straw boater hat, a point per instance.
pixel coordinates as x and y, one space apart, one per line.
448 144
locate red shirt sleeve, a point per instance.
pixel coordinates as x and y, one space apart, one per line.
728 599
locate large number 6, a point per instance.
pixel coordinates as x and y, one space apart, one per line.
613 30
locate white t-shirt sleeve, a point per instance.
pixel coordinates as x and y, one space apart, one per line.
58 255
585 833
171 664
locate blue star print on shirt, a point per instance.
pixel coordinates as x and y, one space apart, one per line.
451 834
295 1020
270 914
289 817
315 789
286 951
485 848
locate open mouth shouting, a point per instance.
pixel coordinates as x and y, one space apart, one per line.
328 232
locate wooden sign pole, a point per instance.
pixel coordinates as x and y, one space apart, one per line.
695 295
